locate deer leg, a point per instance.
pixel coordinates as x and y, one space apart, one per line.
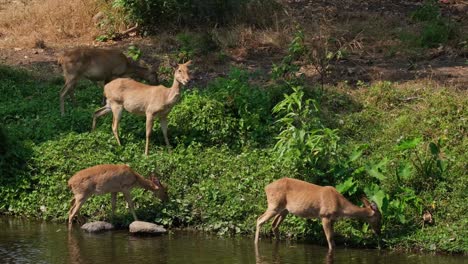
72 205
72 97
261 220
128 197
328 229
149 129
113 202
117 114
163 121
277 222
100 112
69 86
103 102
79 201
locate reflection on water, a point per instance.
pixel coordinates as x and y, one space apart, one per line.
25 241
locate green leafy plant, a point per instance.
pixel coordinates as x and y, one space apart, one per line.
303 140
428 166
102 38
288 67
428 11
436 29
133 52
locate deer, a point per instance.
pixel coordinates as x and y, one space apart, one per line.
98 64
308 200
142 99
110 178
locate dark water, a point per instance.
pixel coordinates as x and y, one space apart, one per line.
25 241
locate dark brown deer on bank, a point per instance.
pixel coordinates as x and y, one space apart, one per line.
142 99
98 64
110 178
308 200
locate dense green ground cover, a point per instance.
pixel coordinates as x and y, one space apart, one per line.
402 146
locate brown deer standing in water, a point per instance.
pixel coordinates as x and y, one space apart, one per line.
98 64
142 99
110 178
308 200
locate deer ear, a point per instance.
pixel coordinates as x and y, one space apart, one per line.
173 64
188 63
156 181
365 202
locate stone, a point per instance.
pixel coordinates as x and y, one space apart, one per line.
97 226
140 227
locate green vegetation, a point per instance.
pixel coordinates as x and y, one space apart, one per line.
179 13
433 29
402 146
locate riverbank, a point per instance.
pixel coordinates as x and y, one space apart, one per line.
366 96
408 155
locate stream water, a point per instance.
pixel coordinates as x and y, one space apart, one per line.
26 241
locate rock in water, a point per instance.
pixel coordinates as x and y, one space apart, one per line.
97 226
140 227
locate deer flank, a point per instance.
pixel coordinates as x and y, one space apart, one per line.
98 64
308 200
109 178
142 99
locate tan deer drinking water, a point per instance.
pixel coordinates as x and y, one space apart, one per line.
98 64
142 99
110 178
308 200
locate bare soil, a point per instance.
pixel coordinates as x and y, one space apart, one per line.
370 62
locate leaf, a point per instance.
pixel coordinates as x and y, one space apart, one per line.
402 218
380 198
409 144
434 149
357 153
375 170
349 184
405 170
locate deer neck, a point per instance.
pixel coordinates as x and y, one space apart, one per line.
174 91
353 211
144 183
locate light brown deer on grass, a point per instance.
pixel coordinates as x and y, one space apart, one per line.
110 178
98 64
142 99
308 200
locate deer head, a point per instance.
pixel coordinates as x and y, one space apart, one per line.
159 189
145 71
182 73
375 219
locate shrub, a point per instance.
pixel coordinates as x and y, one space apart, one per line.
435 28
427 12
202 119
191 13
193 45
250 104
303 140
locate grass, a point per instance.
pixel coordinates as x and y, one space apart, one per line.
49 22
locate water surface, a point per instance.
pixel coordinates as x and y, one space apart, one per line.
26 241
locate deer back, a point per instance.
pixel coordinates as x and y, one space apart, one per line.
94 63
305 199
136 97
101 179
